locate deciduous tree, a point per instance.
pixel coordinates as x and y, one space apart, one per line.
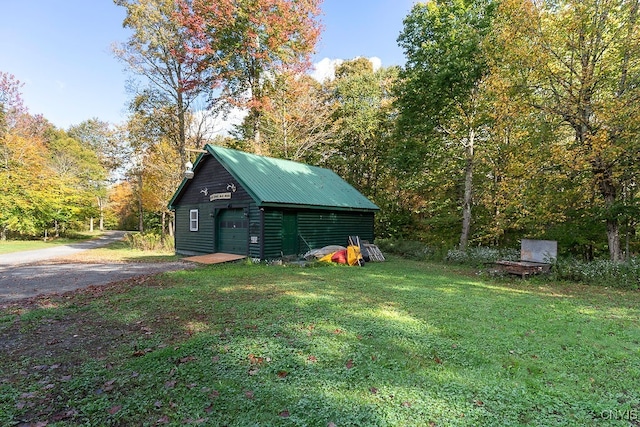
579 62
442 108
247 42
158 50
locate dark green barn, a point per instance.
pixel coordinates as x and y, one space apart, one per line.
265 208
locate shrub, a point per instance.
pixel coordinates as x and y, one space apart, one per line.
623 275
410 249
149 242
480 255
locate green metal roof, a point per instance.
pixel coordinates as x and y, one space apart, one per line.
277 182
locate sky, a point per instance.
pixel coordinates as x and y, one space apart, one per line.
61 51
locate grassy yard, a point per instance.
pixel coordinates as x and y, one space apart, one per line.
399 343
8 246
122 252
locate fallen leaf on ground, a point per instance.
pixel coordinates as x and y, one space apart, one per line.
282 374
349 364
255 360
114 409
284 414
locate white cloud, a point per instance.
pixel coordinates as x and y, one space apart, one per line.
219 124
326 68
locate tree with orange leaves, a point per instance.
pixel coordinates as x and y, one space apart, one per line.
247 42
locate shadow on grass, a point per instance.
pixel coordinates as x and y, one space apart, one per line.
390 344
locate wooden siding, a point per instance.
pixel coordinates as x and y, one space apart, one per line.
319 229
316 229
194 242
255 233
212 178
272 234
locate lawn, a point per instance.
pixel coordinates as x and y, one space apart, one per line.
7 246
399 343
122 252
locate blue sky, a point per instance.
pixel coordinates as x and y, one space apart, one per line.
60 50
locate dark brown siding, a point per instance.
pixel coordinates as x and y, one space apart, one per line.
211 178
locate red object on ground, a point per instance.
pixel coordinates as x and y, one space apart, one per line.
340 257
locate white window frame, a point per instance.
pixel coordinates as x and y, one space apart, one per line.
193 220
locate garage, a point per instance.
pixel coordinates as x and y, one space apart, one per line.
265 208
233 231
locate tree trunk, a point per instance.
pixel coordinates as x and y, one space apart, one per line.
164 219
101 205
140 208
613 237
91 225
607 188
468 192
257 138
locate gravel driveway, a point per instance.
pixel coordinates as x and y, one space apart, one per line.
31 273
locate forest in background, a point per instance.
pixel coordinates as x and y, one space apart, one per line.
510 119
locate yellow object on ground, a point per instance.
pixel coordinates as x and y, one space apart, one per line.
354 257
350 256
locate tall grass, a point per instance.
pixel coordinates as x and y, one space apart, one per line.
625 275
622 275
149 242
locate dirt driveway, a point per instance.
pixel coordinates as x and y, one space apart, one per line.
31 273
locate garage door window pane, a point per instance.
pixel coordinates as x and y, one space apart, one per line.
193 220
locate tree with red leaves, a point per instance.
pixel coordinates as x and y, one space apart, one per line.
11 104
246 42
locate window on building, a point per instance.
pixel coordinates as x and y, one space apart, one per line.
193 220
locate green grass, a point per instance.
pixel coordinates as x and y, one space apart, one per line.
8 246
400 343
122 252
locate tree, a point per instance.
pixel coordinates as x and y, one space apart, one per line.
362 123
11 104
81 179
297 124
158 50
441 98
160 179
101 138
247 42
579 62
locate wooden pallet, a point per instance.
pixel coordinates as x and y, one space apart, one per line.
522 268
375 254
